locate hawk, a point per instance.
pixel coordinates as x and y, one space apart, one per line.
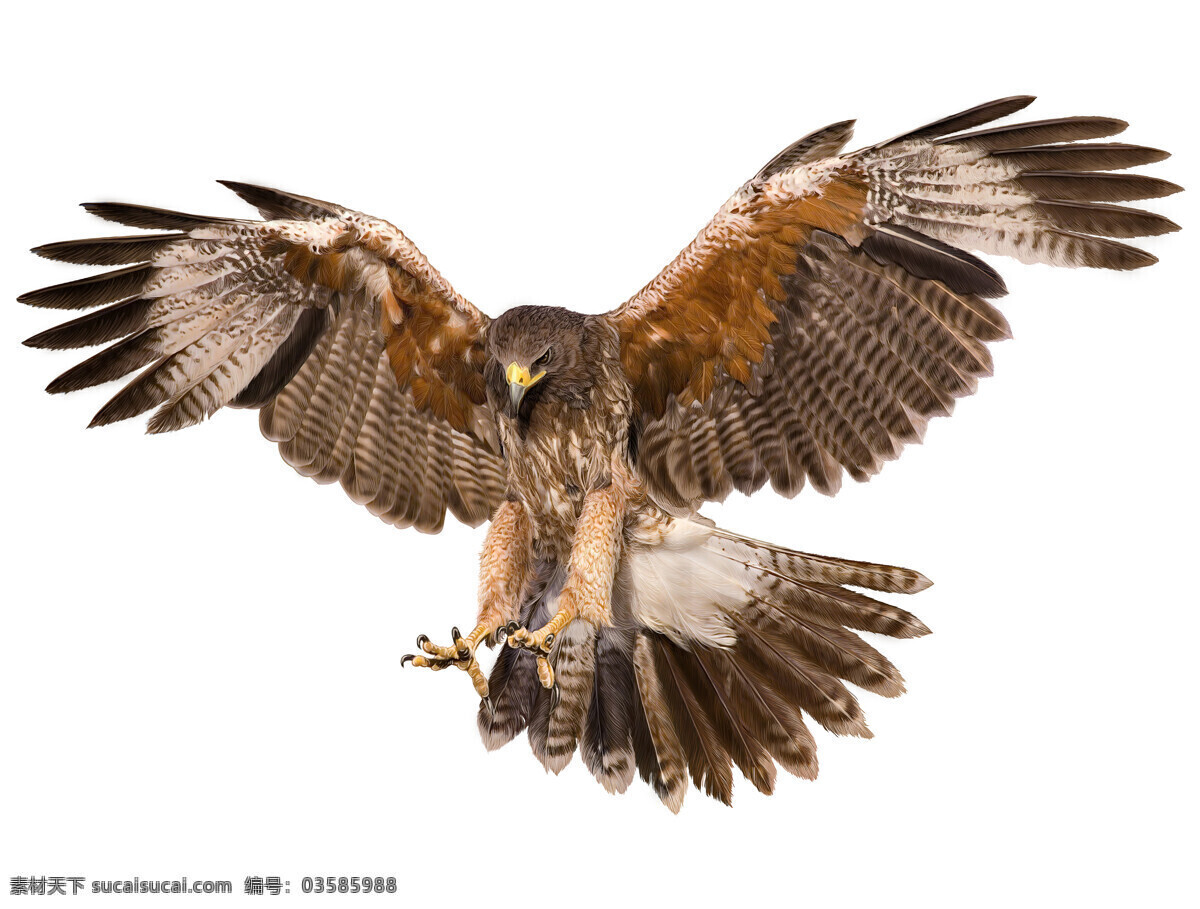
810 330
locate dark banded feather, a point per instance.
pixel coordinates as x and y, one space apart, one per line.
513 686
573 659
231 312
513 690
607 741
832 648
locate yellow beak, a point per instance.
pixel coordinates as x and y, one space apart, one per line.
519 382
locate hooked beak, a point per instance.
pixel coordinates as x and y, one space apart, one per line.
519 382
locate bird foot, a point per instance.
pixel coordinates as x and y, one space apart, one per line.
538 643
460 653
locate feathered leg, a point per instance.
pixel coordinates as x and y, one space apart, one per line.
503 573
595 555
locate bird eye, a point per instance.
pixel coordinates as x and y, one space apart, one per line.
544 358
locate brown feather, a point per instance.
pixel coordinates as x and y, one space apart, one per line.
1084 156
712 690
967 119
776 723
708 760
773 662
107 250
1095 187
668 775
573 659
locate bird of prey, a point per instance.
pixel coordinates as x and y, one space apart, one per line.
828 310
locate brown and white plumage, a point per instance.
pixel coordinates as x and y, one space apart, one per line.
813 327
365 362
830 308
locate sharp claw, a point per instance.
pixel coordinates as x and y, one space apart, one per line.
460 646
407 658
555 696
511 628
455 634
547 642
422 640
487 705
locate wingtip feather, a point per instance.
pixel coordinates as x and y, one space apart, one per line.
920 582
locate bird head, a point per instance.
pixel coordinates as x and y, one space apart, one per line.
536 354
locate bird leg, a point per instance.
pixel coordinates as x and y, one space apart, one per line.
461 653
587 594
503 570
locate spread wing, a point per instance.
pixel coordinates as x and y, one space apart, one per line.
364 361
829 309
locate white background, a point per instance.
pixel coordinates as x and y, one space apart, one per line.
200 668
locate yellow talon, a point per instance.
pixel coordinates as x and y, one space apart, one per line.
460 653
545 672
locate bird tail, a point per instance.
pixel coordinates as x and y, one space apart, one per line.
719 646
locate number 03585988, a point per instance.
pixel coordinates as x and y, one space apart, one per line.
348 884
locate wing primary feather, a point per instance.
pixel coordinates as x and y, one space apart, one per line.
98 327
1084 156
276 204
149 217
1089 186
109 364
222 311
1061 129
1104 220
94 290
107 250
967 119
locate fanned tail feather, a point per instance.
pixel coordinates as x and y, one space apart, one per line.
607 743
719 646
696 588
